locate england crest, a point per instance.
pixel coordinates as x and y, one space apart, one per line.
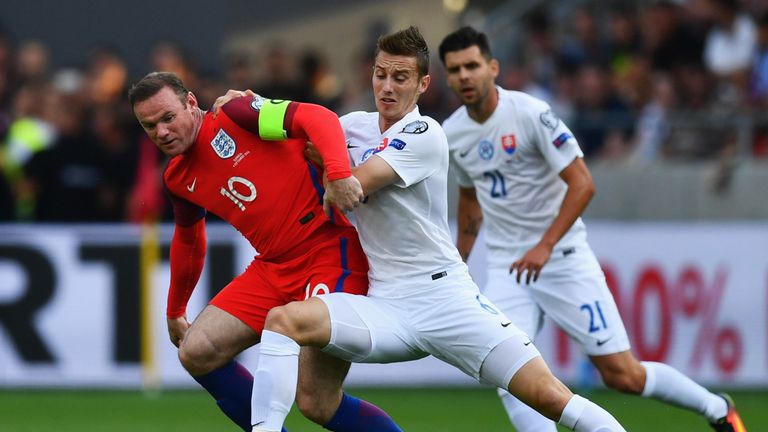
223 145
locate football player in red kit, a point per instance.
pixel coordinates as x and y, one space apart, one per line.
247 166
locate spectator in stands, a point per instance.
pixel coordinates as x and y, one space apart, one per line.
602 121
731 43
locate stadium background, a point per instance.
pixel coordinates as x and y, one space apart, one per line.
676 141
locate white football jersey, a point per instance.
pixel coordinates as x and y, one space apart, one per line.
404 227
513 161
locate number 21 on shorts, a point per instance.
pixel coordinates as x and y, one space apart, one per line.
594 324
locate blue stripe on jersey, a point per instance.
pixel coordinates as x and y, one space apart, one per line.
318 187
345 271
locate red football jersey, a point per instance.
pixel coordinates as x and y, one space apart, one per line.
267 190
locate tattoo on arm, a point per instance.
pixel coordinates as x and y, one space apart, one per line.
473 227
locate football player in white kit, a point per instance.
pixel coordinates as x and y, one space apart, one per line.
421 299
521 173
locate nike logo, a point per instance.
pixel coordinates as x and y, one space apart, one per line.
506 323
602 342
464 153
527 343
349 146
191 187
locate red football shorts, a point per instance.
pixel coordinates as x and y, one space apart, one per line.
335 264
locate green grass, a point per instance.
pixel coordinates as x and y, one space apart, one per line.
443 409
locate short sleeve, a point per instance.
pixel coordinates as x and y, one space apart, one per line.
553 138
415 152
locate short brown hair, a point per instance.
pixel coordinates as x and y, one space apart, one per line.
408 42
152 83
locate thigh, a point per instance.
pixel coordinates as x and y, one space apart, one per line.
462 326
367 330
514 300
574 294
216 333
250 296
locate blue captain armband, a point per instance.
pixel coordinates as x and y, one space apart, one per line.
271 119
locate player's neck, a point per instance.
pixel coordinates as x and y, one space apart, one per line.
198 116
484 108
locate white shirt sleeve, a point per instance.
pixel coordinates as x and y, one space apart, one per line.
553 138
462 177
415 156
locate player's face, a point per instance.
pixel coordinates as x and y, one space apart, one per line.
470 75
169 123
396 86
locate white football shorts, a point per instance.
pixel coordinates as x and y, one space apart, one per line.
447 318
571 290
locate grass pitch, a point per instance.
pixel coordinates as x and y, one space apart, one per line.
441 409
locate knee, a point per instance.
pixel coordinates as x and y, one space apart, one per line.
291 320
279 320
198 358
626 379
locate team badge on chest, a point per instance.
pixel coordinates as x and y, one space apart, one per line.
509 143
485 148
223 145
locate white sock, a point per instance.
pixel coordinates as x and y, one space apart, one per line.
523 417
666 384
582 415
274 383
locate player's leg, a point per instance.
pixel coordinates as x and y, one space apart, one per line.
495 351
534 384
207 352
573 293
515 302
623 372
320 398
331 321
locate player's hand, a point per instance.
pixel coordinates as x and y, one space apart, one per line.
177 328
231 94
344 194
312 154
531 263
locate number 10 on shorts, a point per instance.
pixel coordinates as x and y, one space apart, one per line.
319 289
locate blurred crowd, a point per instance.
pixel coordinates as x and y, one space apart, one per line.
637 82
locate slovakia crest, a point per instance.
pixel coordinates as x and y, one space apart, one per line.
485 148
223 145
509 143
415 127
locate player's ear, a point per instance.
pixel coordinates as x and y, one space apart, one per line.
495 68
191 100
424 83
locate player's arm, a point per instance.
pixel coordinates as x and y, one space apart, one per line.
375 174
188 247
469 220
580 191
276 120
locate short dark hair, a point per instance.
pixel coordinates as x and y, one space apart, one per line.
464 38
152 83
408 42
